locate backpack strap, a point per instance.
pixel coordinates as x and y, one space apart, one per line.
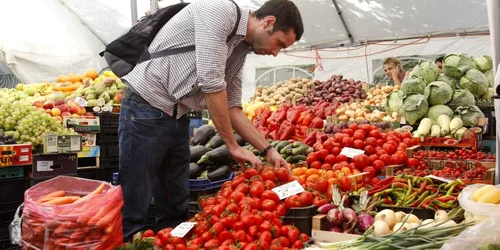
167 52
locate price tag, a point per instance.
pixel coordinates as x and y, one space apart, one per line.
439 178
351 152
81 101
100 102
107 108
182 229
289 189
44 166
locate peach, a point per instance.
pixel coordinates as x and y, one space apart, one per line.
38 104
65 113
73 109
55 112
48 105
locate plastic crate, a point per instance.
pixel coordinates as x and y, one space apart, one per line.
107 174
12 191
7 212
199 185
89 173
194 123
302 218
193 209
194 195
11 172
109 122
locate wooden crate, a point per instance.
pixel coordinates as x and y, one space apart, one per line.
391 170
321 231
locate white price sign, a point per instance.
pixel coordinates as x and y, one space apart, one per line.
81 101
182 229
438 178
289 189
351 152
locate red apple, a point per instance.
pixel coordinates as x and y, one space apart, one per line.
58 103
73 109
63 108
118 98
48 105
38 104
72 103
65 113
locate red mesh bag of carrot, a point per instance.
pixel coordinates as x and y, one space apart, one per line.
72 213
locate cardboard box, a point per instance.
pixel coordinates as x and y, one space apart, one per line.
88 140
83 124
16 155
55 143
51 165
87 151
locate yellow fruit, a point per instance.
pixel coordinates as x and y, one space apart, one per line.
493 196
481 191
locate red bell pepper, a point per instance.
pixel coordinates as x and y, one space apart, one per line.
310 139
320 113
264 116
307 119
301 132
273 135
317 122
286 130
292 115
264 131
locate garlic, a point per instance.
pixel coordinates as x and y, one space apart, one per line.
411 218
400 216
380 228
441 216
387 216
401 227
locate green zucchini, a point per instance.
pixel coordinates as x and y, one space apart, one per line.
197 152
203 134
281 145
297 144
298 158
289 151
284 156
215 142
289 159
239 139
219 156
284 150
255 151
195 170
219 173
300 150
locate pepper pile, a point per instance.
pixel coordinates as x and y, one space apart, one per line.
451 169
418 192
292 122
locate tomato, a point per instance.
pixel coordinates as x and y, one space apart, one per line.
386 159
312 157
372 158
265 236
281 209
270 195
347 142
251 246
389 148
360 161
371 170
158 242
285 242
253 231
306 198
282 175
248 220
148 233
354 126
298 244
316 165
237 181
408 142
359 136
267 174
276 247
340 158
369 150
269 184
304 237
267 205
374 181
193 246
397 159
330 159
345 184
359 144
328 145
378 165
347 131
293 201
338 137
322 185
169 247
256 189
250 172
405 134
322 154
381 152
336 151
293 234
412 162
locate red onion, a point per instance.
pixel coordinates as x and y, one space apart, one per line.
335 217
324 209
365 221
336 229
349 215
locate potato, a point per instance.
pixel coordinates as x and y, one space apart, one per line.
265 92
276 97
278 102
305 80
297 96
299 85
267 99
289 96
310 84
259 99
286 90
272 102
293 92
294 80
259 88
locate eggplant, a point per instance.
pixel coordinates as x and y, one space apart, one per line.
203 134
197 152
195 170
219 173
219 156
215 142
239 139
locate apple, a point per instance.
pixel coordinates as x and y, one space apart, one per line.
72 103
89 115
75 115
118 98
63 108
73 109
81 110
65 113
48 105
48 111
58 103
55 112
38 104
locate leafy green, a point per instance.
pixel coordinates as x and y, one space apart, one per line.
438 93
437 110
469 115
455 65
450 81
483 63
475 81
461 97
394 101
428 70
413 85
414 107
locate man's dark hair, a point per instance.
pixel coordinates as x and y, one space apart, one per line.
286 13
439 59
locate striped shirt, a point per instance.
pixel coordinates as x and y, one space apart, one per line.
214 66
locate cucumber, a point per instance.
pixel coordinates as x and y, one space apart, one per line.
284 156
284 150
255 151
309 150
289 151
274 143
281 145
296 144
300 150
215 142
289 159
203 134
298 158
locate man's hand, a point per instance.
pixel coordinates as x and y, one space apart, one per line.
242 156
275 159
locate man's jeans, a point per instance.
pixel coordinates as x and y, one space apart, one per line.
154 159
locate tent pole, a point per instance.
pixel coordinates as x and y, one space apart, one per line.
133 11
339 12
494 23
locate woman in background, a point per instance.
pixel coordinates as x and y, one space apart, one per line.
394 70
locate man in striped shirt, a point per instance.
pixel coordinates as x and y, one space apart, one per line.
153 133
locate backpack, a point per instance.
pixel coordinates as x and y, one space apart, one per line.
131 48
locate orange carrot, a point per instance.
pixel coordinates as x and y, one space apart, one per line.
52 195
97 216
63 200
97 191
106 220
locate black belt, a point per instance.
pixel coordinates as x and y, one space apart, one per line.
131 95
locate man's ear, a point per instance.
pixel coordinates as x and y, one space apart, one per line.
269 21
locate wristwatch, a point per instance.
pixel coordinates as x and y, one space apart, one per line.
266 150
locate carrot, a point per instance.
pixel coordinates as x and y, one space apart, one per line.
97 216
106 220
63 200
97 191
52 195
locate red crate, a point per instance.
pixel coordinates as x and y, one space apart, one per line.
16 155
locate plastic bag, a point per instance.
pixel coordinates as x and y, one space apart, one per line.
480 236
476 208
93 222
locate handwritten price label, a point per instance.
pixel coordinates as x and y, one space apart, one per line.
182 229
81 101
289 189
351 152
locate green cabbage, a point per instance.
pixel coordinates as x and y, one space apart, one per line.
428 70
437 110
414 108
413 84
394 101
491 77
455 65
475 81
461 97
469 115
483 63
438 93
450 81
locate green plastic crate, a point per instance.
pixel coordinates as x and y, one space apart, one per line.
11 172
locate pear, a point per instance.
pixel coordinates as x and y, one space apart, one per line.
121 85
110 102
99 88
105 96
90 97
92 103
109 81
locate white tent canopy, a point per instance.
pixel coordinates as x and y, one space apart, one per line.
60 36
